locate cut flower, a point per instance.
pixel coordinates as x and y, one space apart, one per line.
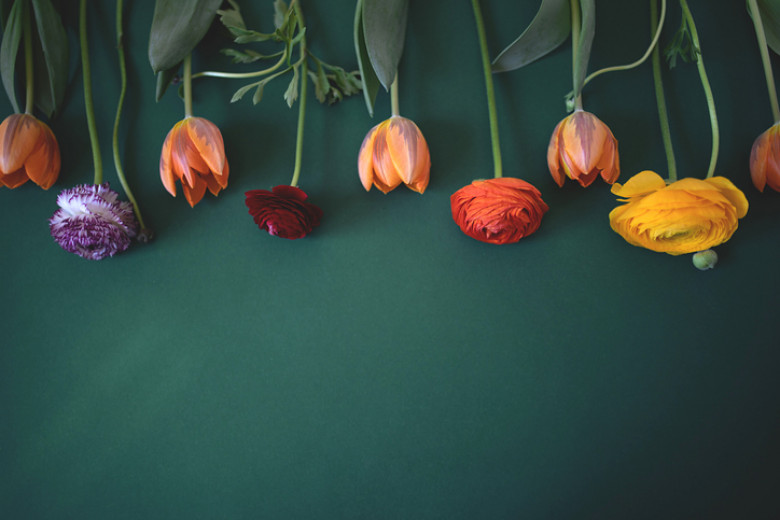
394 151
28 151
686 216
283 212
582 147
92 222
498 211
194 153
765 159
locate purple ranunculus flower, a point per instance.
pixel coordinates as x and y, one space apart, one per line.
92 222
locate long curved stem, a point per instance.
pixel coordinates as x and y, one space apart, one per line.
658 27
115 139
302 106
243 75
707 89
491 97
29 68
89 107
660 99
576 23
762 46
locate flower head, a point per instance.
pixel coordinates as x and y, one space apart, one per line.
283 212
582 148
394 151
765 159
686 216
92 222
194 153
498 211
28 151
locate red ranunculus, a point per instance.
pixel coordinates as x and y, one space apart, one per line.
498 211
283 212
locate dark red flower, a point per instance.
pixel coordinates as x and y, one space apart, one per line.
283 212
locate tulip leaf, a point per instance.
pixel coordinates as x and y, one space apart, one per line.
51 76
9 50
368 78
584 44
384 31
177 27
548 30
770 19
164 80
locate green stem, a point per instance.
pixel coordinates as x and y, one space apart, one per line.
660 99
88 106
770 80
115 140
707 89
188 85
491 97
657 29
28 60
394 96
302 106
576 24
242 75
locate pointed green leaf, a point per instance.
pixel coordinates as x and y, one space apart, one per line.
587 32
177 27
368 78
164 79
281 14
9 50
384 31
258 96
52 79
238 94
548 30
770 19
291 94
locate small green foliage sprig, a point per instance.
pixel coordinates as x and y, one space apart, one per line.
331 83
682 45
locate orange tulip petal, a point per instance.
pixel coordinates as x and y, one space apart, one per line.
553 157
386 176
43 164
14 179
194 194
19 135
207 143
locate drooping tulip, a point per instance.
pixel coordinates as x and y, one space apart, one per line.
194 153
582 147
765 159
394 152
28 151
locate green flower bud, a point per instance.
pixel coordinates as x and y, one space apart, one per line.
704 260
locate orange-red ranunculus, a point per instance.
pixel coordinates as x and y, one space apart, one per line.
686 216
194 153
498 211
28 151
394 151
582 147
765 159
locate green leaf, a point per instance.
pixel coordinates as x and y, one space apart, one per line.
258 95
291 94
587 32
281 14
368 78
177 27
164 79
548 30
52 78
9 50
238 94
231 18
384 31
770 19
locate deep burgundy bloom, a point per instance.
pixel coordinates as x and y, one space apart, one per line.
283 212
92 222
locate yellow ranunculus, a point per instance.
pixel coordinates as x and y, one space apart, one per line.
686 216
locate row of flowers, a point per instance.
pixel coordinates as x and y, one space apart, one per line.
661 214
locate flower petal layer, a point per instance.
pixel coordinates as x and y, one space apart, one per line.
283 212
28 151
765 159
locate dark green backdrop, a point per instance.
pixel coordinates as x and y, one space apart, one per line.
388 366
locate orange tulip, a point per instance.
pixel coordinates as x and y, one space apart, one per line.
765 159
394 151
582 148
194 153
28 150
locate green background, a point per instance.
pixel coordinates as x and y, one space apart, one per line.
388 366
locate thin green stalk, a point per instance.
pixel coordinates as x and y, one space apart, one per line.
491 97
576 24
653 44
188 85
243 75
302 106
115 140
762 45
89 107
707 89
394 96
29 69
660 99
